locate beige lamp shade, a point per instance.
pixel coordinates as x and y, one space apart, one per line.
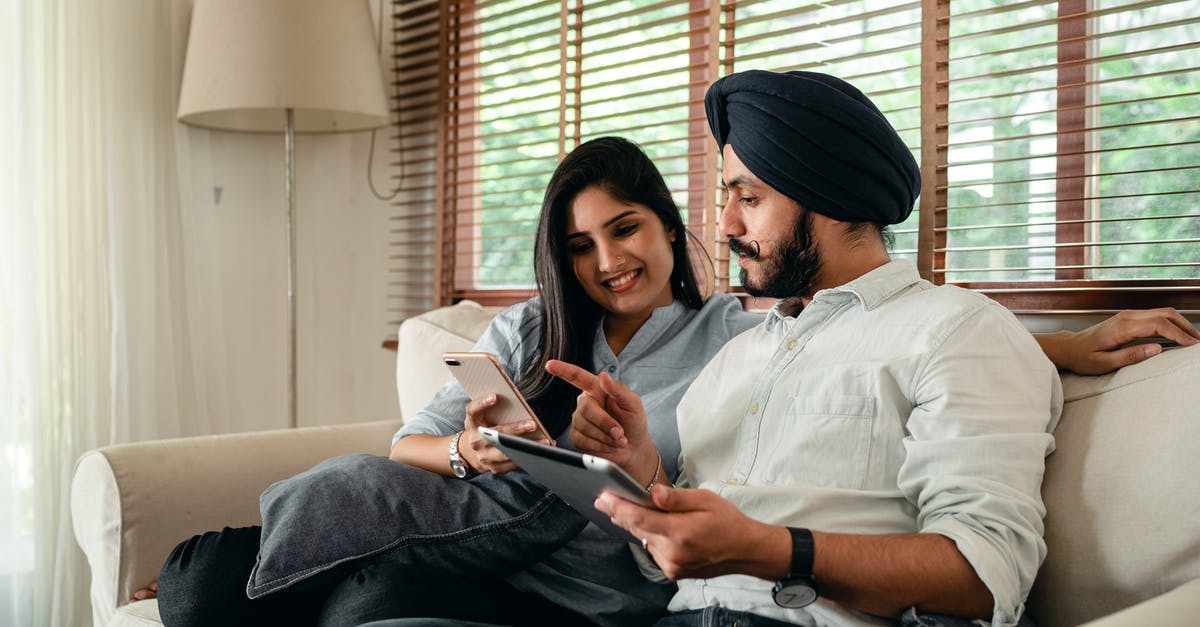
250 60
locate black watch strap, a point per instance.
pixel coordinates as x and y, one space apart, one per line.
802 553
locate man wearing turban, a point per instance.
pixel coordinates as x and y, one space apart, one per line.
873 451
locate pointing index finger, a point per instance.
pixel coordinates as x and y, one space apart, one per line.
576 376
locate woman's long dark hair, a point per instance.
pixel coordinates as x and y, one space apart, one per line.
569 315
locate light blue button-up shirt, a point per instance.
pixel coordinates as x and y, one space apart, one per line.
658 363
887 405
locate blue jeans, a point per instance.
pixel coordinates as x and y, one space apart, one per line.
431 622
358 513
707 617
721 617
197 590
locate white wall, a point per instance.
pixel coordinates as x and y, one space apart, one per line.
344 375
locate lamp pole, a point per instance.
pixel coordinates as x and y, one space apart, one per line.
316 61
290 191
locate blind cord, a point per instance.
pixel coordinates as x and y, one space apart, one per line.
371 153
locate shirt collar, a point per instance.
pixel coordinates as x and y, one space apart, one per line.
871 289
653 327
877 286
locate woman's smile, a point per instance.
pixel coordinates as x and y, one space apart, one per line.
622 282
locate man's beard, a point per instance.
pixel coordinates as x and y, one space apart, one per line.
791 270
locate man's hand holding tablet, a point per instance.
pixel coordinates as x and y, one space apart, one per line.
576 478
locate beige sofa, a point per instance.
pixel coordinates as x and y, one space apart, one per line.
1122 490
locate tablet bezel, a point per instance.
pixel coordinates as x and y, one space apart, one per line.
575 477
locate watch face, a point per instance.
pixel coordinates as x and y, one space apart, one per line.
794 594
460 469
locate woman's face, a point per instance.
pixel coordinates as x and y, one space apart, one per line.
621 253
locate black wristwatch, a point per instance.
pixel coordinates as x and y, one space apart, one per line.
798 589
461 468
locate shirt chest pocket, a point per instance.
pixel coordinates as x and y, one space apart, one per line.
824 441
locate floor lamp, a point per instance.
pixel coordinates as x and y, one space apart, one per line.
283 66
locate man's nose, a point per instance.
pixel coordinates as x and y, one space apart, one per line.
730 220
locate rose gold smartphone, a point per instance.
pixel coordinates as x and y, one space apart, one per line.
480 374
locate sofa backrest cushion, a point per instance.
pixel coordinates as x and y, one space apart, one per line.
1122 490
421 341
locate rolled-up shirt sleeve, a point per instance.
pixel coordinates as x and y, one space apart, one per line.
511 337
976 451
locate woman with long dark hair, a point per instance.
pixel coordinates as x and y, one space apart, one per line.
562 322
360 537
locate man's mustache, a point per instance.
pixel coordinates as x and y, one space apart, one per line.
750 250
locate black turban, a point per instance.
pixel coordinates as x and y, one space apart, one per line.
817 140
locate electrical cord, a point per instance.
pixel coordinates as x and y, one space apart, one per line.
371 154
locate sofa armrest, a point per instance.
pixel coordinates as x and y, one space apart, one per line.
1178 607
132 503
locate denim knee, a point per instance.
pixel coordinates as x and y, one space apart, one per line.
203 580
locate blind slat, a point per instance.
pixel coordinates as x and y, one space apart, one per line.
1055 245
1075 153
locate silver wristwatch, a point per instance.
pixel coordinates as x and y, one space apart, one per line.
461 469
798 589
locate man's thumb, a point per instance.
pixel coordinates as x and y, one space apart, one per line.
676 499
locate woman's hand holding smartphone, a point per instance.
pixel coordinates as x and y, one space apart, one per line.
495 403
481 455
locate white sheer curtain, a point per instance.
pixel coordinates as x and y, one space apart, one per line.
95 337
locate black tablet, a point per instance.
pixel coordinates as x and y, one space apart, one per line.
576 478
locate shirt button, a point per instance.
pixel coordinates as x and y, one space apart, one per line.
731 481
754 408
792 345
612 368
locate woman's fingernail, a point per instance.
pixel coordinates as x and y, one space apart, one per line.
615 432
491 398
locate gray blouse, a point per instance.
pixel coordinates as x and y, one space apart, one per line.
659 364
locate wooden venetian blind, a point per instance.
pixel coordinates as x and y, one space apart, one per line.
645 68
1068 152
1059 155
639 70
413 151
529 81
502 134
874 45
